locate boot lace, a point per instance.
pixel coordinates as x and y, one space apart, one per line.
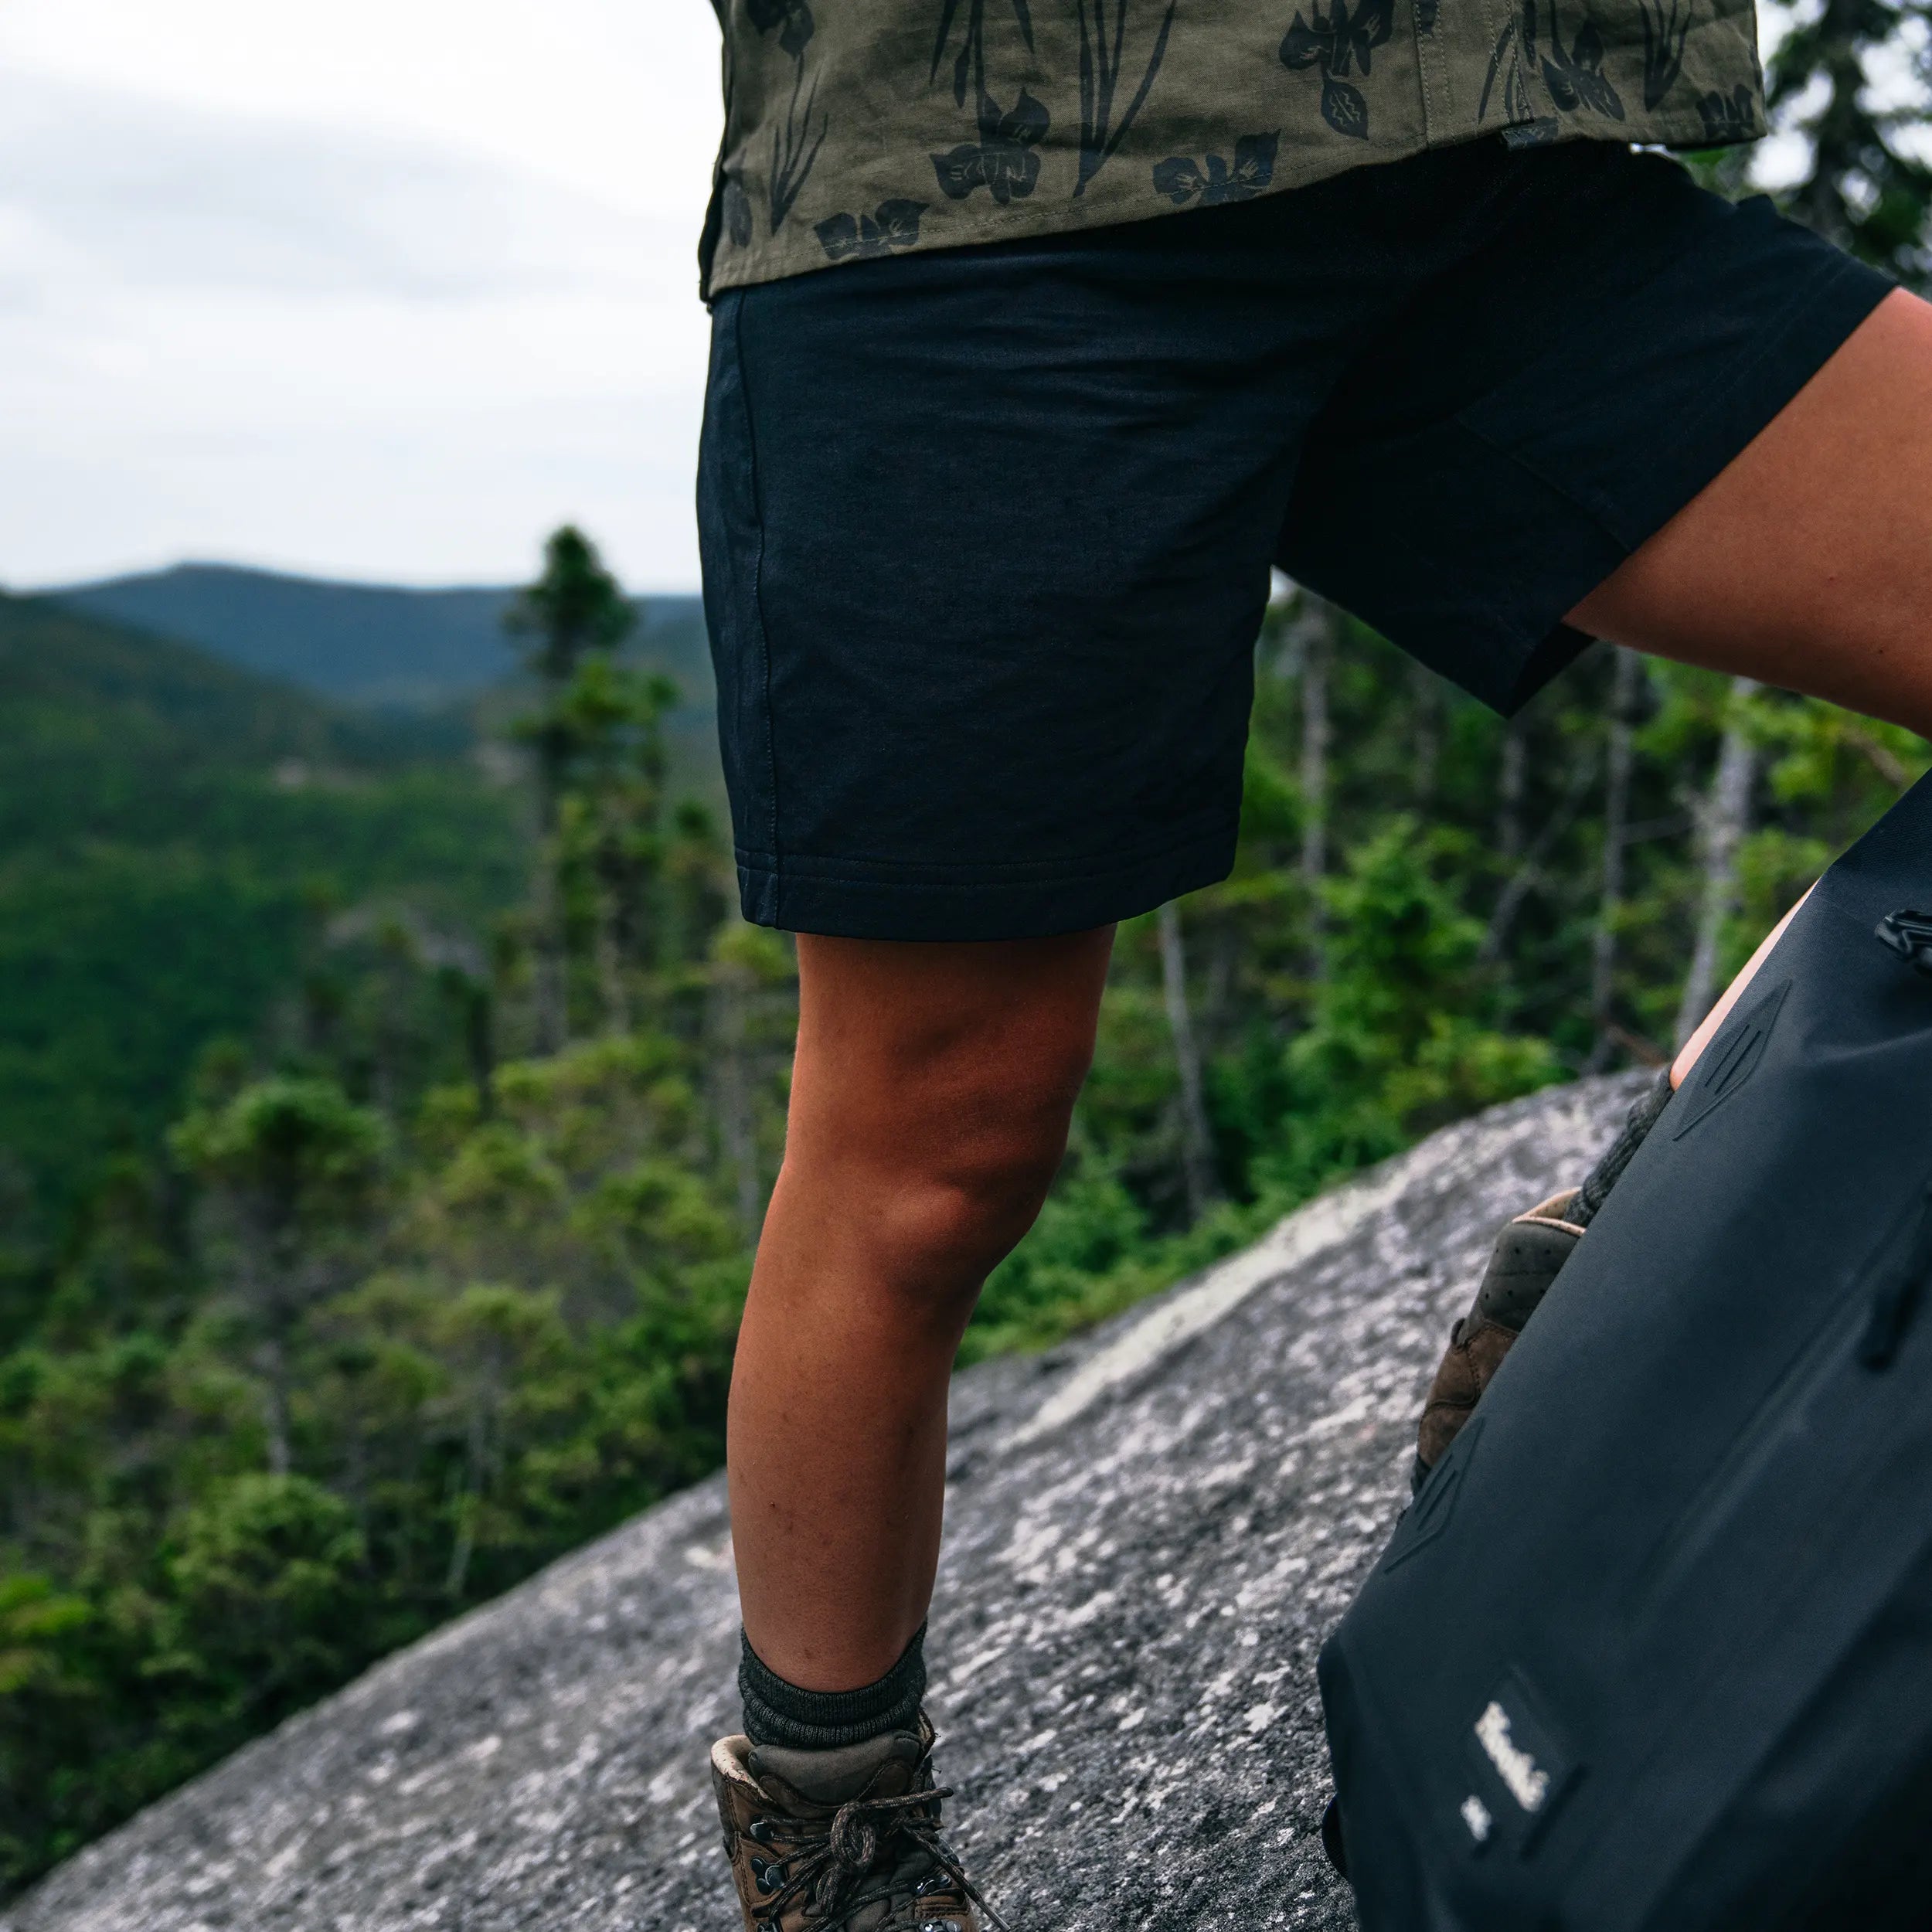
826 1862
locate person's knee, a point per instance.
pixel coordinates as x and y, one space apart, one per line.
971 1181
959 1161
942 1120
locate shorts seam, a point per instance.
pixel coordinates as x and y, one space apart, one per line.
1424 63
758 598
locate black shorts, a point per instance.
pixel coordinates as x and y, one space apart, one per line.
987 532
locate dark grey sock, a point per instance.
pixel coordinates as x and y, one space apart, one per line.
1621 1151
776 1713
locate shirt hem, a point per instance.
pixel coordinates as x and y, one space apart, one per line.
1022 220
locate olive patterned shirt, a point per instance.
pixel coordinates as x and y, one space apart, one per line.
860 128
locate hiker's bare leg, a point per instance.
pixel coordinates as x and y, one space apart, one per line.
1707 1031
929 1104
1807 564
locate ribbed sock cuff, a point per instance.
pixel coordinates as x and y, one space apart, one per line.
776 1713
1643 1115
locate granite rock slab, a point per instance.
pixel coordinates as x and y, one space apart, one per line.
1150 1532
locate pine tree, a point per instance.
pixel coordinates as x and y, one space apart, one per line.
293 1167
1197 1145
1854 80
574 612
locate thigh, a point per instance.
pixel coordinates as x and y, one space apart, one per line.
1806 563
907 1053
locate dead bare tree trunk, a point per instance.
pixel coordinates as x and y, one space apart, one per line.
1197 1143
1528 873
1314 773
1724 818
553 1015
468 1503
1511 782
1626 698
610 958
730 991
273 1356
482 1461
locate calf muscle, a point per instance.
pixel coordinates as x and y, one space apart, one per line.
930 1097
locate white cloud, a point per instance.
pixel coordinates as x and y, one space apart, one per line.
113 188
384 290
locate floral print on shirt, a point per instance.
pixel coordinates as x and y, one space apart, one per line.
859 129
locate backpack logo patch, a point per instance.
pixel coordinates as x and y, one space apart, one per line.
1523 1769
1475 1814
1526 1783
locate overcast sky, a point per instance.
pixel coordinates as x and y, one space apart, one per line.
380 288
383 288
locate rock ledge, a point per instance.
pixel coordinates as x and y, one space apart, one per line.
1150 1533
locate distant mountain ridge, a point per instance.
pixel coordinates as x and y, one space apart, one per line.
366 644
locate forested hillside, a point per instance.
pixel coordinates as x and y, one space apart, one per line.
386 1145
176 839
436 1270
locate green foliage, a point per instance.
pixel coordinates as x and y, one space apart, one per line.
409 1298
47 1685
1853 80
1401 1037
574 609
383 1146
176 837
298 1151
405 1248
265 1600
1442 959
1848 84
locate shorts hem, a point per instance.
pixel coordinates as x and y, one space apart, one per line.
913 903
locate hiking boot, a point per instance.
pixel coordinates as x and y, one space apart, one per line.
842 1840
1528 1254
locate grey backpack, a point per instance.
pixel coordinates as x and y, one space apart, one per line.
1651 1650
